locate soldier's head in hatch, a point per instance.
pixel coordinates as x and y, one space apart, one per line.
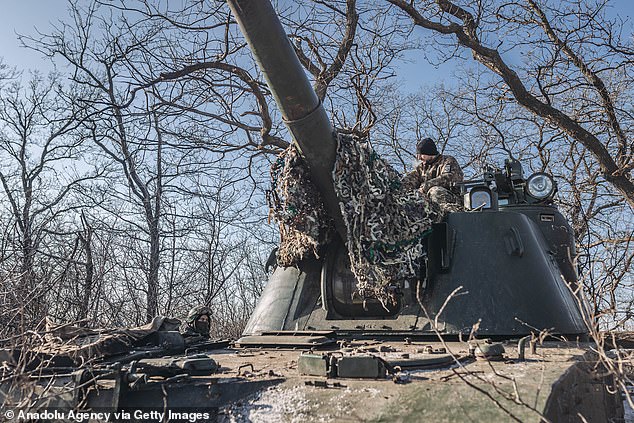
426 150
199 319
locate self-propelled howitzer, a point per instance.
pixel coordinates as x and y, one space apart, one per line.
508 262
501 269
314 350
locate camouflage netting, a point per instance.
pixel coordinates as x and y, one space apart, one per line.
385 223
79 345
296 205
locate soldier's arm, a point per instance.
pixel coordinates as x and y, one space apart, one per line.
412 180
449 174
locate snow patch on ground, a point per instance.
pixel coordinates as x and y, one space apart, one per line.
280 404
273 405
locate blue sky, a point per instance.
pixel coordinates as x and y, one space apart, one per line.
25 16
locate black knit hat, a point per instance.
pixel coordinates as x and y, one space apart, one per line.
426 146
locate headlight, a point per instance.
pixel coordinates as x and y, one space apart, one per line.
480 198
540 186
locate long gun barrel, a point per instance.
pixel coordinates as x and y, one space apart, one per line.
303 113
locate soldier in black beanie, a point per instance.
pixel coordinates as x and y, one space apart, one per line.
426 147
436 176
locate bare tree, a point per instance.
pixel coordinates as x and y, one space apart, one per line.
176 101
576 54
40 147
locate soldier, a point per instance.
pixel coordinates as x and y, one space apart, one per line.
435 176
197 322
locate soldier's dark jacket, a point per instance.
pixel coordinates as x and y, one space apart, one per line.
442 171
